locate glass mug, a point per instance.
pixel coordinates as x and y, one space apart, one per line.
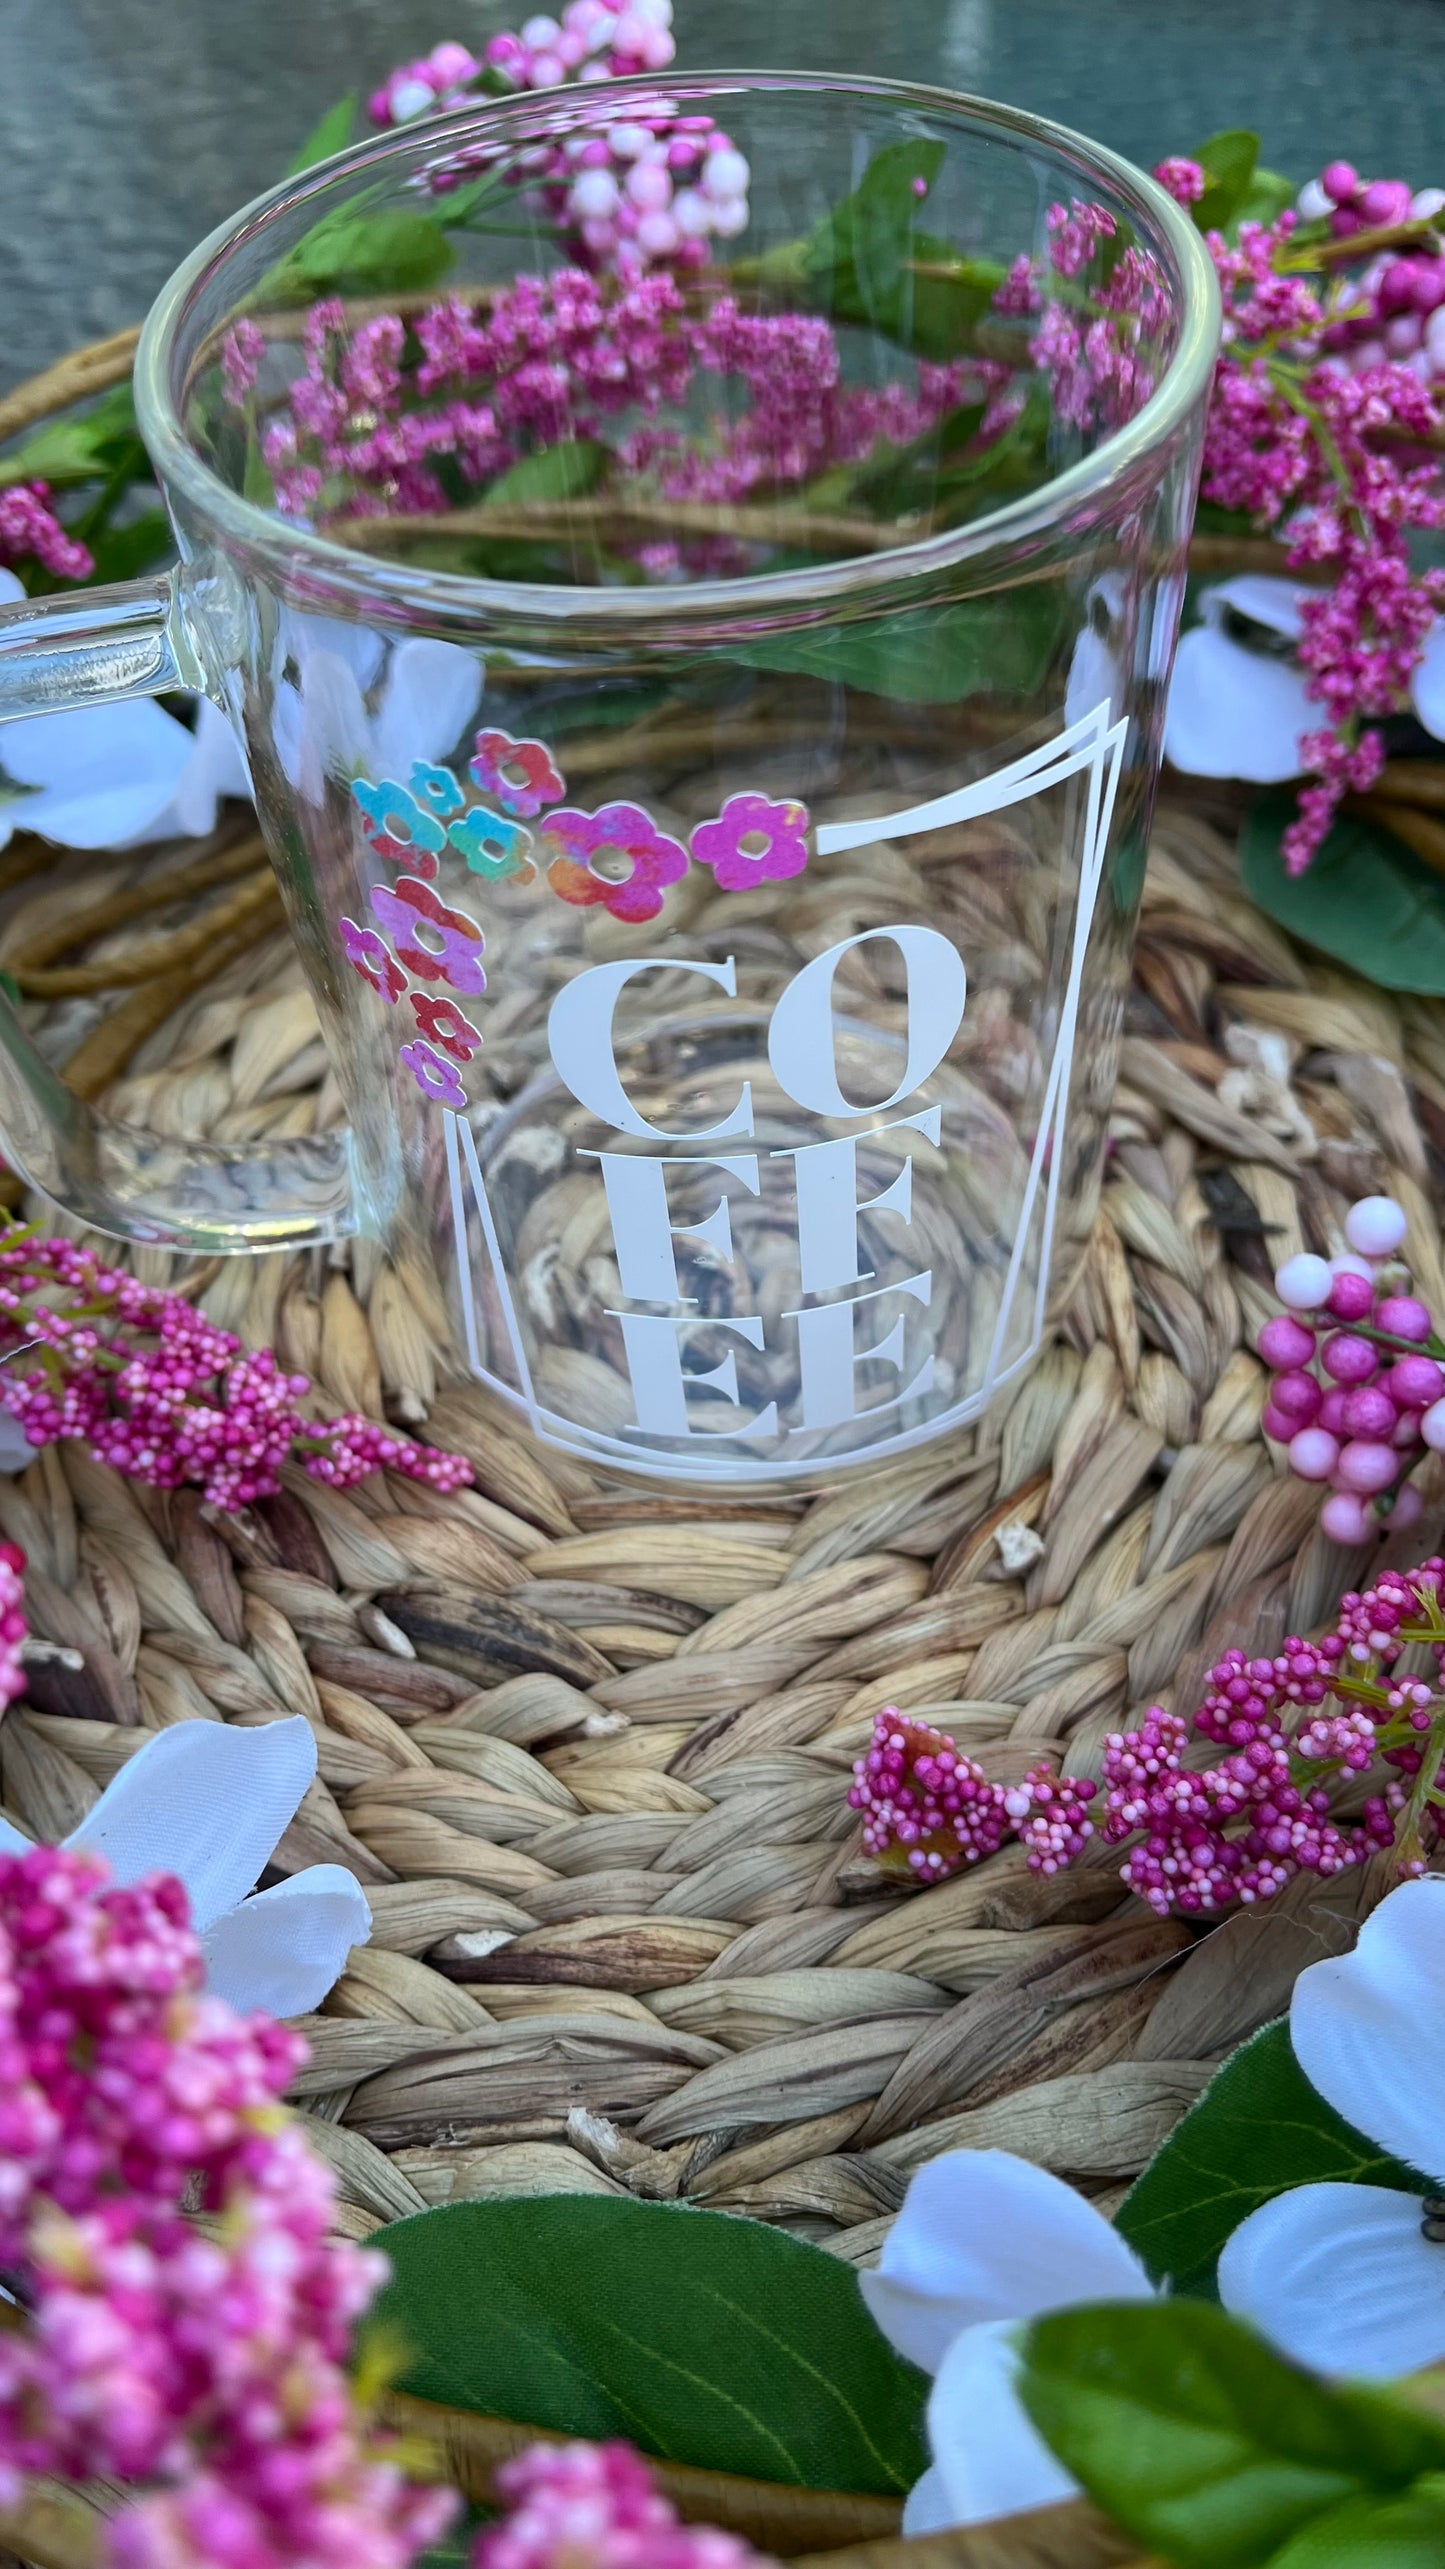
718 910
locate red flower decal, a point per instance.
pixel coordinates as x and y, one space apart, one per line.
616 856
435 943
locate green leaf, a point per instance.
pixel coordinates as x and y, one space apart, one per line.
1406 2533
124 552
1266 197
1258 2128
934 656
1199 2440
856 262
103 441
566 471
1228 162
331 135
700 2337
352 252
1365 898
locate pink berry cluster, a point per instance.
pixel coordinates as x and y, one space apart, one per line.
159 1393
655 188
929 1808
1357 1387
31 531
594 2506
1205 1837
1325 426
377 418
592 40
1096 341
13 1627
207 2364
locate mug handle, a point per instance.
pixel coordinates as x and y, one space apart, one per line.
94 647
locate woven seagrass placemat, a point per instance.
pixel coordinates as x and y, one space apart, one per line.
588 1749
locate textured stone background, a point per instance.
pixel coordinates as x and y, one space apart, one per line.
129 127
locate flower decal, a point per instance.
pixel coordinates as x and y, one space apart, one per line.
369 954
437 787
753 841
434 1076
434 942
616 856
493 847
519 774
442 1022
398 826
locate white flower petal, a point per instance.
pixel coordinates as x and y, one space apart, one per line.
982 2236
432 691
926 2508
327 735
1427 687
214 768
1262 597
206 1801
1234 712
300 637
987 2452
1094 677
103 772
13 1841
1340 2278
286 1947
1358 2025
11 589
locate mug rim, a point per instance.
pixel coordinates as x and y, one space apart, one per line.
350 576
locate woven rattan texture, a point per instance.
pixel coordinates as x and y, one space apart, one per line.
589 1750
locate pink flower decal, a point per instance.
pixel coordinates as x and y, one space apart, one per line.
434 1076
435 943
398 826
519 773
442 1022
437 787
493 847
753 841
616 856
368 954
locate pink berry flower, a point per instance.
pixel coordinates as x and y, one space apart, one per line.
434 1076
519 773
203 2368
618 857
595 2506
753 841
442 1022
929 1808
14 1630
151 1387
370 955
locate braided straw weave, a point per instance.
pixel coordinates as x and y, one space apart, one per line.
589 1749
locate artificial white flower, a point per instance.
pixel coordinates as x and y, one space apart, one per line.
116 775
207 1801
1341 2277
1234 711
319 719
983 2242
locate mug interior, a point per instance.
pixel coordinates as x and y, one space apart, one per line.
918 327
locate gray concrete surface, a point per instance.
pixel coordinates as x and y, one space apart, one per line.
129 127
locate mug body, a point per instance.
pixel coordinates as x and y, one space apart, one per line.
718 898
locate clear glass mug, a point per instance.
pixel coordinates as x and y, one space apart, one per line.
803 849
